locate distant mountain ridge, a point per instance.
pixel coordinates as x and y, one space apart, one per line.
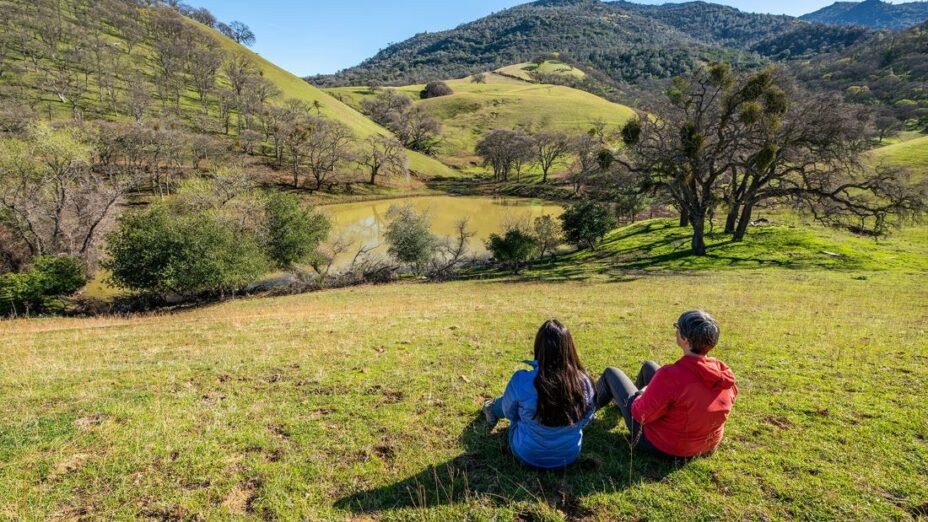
875 14
628 42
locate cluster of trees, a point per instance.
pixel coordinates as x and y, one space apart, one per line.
886 72
583 224
510 151
235 30
809 40
731 141
412 125
321 147
214 237
38 289
118 60
58 188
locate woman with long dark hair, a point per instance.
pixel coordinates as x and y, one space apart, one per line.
549 405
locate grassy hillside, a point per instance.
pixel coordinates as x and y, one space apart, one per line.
292 86
525 70
911 154
660 245
502 102
364 404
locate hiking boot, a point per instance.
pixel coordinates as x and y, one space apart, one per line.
492 419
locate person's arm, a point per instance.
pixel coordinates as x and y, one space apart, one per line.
511 398
656 399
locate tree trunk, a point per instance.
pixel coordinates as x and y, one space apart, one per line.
684 219
699 242
743 222
732 218
373 176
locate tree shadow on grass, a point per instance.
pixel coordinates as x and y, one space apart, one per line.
488 472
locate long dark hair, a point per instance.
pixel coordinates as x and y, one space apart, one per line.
562 382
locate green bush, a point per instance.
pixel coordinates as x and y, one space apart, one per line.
294 232
586 223
187 255
41 287
513 249
410 237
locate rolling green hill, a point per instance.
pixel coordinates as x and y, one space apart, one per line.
61 62
911 154
502 102
292 86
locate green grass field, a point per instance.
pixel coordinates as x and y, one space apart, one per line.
524 70
363 403
911 154
502 102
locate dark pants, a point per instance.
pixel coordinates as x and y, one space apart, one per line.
616 387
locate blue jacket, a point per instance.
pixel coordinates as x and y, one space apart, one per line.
535 444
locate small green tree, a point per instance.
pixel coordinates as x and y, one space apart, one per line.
40 288
188 255
513 249
293 230
549 235
410 237
586 223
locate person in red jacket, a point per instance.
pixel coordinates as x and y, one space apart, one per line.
677 410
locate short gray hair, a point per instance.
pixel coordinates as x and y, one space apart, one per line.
700 329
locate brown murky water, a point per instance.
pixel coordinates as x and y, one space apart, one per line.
363 224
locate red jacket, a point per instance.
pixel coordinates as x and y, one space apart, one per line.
684 407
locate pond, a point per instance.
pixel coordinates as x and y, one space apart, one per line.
363 224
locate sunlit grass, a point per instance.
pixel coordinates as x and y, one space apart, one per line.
503 103
364 402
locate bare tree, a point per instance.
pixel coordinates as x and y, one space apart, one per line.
417 129
204 65
238 31
550 147
239 71
383 155
585 149
138 101
451 252
386 107
56 201
326 145
501 149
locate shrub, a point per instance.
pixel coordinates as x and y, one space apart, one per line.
187 255
41 287
586 223
513 249
435 90
410 238
549 235
294 232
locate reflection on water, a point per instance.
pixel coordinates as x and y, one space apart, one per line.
365 223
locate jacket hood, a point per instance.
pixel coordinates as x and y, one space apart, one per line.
713 372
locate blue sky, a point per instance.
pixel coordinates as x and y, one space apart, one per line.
323 36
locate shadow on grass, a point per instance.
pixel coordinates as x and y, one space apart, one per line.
489 472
